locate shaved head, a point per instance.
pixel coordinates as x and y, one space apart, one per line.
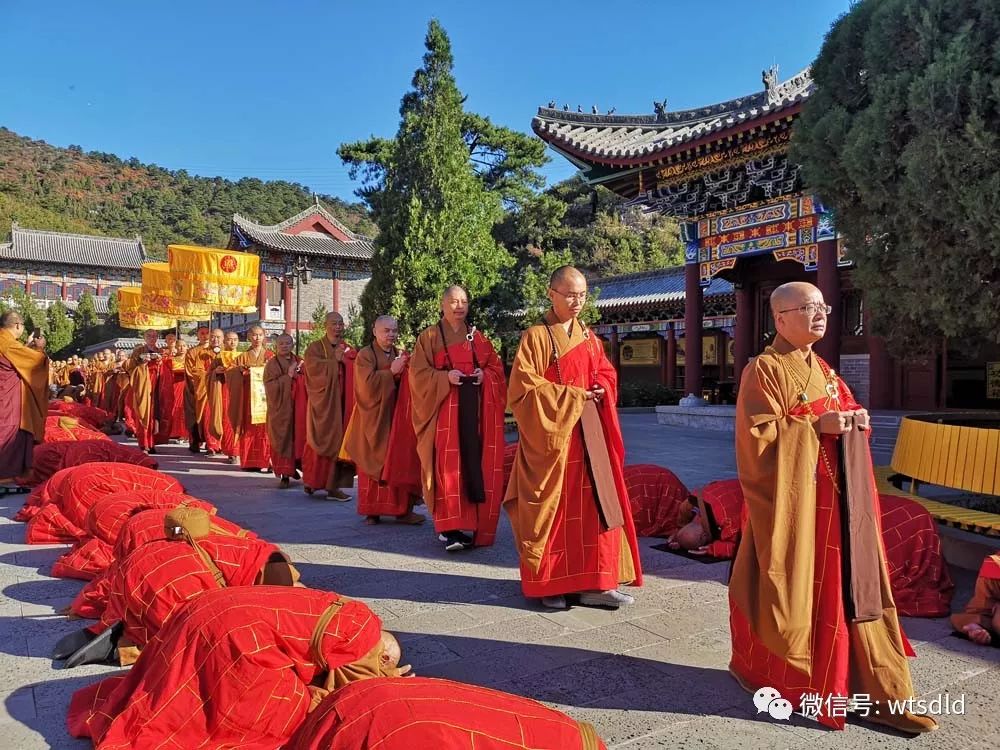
453 290
334 317
792 294
285 338
11 319
566 275
799 313
391 651
384 320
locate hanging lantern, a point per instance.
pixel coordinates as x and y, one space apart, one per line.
130 314
158 297
224 280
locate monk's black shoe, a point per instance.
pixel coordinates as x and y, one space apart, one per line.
72 643
101 650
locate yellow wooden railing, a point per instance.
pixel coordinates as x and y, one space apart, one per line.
958 455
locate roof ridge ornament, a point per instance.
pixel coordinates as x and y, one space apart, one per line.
793 87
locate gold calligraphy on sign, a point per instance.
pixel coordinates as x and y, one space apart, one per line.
258 396
640 352
708 160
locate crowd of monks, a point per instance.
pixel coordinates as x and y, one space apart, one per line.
231 649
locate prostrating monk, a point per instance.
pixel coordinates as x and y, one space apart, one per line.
197 363
711 521
250 427
286 395
329 365
377 372
567 499
226 359
237 667
458 390
980 622
143 368
657 498
24 383
421 712
797 625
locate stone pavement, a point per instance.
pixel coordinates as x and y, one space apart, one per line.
653 675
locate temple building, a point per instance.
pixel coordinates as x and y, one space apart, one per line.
749 225
51 266
339 263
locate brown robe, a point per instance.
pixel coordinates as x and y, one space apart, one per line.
280 405
24 380
141 386
196 363
375 400
325 423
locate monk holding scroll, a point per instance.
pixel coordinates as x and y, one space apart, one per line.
567 498
250 423
457 391
811 610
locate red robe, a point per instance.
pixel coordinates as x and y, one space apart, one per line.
231 669
723 502
165 396
252 444
159 577
656 495
50 458
752 662
105 519
95 417
418 713
579 553
62 428
317 470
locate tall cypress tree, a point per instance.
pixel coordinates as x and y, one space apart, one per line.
435 216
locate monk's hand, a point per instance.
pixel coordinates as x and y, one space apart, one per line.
455 377
595 394
220 370
835 422
478 373
397 365
699 550
978 634
861 419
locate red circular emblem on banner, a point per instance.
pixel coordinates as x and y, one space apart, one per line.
228 263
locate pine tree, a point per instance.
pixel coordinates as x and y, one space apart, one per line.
319 314
59 328
86 314
435 215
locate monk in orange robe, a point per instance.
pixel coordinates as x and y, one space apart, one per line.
567 499
165 389
116 390
329 372
237 667
24 383
377 373
796 628
252 444
430 713
143 368
197 366
980 621
457 392
286 410
96 378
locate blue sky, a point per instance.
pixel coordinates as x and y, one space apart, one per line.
270 88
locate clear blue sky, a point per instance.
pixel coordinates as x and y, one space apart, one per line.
270 88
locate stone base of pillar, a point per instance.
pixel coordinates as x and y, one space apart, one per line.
692 400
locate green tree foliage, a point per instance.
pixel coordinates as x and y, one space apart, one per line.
434 213
86 313
355 333
34 317
902 140
59 329
318 326
44 187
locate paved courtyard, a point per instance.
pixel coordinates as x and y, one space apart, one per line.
653 675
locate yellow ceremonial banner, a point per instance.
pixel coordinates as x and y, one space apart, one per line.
131 315
258 396
157 295
225 280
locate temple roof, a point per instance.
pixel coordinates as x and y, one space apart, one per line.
614 139
307 242
650 287
73 249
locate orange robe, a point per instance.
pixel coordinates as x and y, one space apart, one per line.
236 668
375 391
787 609
420 712
197 413
252 444
329 381
143 392
24 379
434 404
985 599
286 414
219 399
563 545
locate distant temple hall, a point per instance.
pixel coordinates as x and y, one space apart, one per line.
749 225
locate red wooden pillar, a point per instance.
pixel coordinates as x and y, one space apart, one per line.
880 387
828 281
262 297
693 315
27 284
62 291
671 358
743 335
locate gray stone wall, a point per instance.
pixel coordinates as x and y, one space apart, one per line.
319 291
350 294
855 372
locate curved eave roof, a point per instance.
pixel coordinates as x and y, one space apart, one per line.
662 286
305 243
632 140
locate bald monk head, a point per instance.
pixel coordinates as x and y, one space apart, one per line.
13 322
203 334
284 345
386 331
216 338
454 305
334 324
151 336
231 341
180 348
799 313
256 337
567 293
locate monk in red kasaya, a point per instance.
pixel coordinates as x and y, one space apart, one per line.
574 534
237 667
458 390
252 444
980 621
144 367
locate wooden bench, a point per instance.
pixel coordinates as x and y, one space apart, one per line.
976 521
